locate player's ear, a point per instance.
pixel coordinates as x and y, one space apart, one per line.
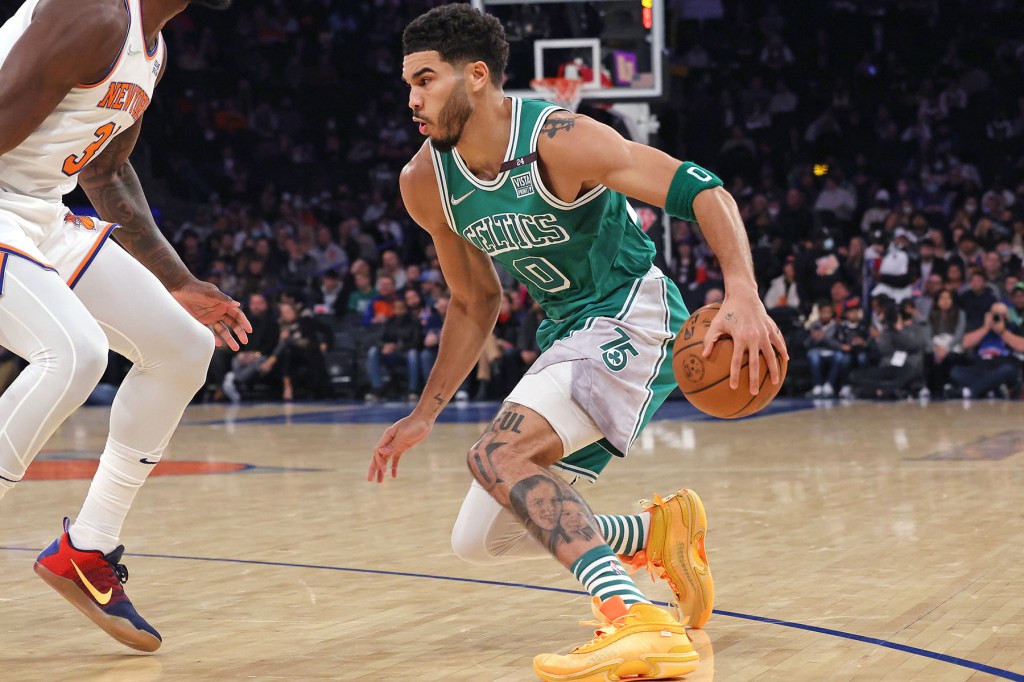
477 76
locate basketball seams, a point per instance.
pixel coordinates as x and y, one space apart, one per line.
738 413
695 374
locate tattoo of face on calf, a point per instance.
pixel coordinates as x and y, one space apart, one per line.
553 126
551 511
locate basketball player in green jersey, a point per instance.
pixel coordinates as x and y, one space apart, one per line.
542 191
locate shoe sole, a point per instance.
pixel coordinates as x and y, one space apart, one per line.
685 561
119 628
645 667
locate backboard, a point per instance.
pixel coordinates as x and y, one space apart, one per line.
566 38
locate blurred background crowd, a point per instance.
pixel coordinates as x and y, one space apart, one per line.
876 153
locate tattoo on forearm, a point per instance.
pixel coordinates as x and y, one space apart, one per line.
115 192
438 403
553 126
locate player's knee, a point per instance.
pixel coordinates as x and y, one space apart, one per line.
91 354
79 360
189 352
485 465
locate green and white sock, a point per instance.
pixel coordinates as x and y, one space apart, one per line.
603 576
626 535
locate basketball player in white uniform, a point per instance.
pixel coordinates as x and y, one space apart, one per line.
75 79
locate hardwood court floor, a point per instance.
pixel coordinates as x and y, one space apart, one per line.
899 523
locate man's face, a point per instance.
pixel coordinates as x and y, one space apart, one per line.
840 292
977 283
437 97
992 261
385 286
1018 299
543 506
257 305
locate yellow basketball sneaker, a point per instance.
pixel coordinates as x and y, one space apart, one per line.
675 551
642 642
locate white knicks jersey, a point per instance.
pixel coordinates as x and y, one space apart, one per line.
46 165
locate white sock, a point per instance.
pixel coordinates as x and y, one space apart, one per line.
121 473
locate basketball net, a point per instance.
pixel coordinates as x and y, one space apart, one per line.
565 92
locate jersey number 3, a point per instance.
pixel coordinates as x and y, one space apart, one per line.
73 164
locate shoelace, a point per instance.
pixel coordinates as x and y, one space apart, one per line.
602 626
120 570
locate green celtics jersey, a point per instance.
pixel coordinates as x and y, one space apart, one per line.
579 259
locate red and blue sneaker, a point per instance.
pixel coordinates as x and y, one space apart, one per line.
92 582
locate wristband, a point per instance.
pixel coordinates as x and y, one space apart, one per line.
689 181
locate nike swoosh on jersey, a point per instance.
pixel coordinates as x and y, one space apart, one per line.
100 597
132 51
456 202
146 461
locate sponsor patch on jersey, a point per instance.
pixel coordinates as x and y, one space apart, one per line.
523 184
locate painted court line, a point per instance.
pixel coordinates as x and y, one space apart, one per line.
915 651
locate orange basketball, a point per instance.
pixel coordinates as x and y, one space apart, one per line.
705 381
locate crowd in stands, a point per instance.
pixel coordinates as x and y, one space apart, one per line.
875 149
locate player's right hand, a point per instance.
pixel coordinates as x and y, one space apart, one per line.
399 437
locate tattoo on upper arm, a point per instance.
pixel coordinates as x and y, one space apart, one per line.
730 317
553 126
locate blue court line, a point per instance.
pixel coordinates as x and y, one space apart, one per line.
945 658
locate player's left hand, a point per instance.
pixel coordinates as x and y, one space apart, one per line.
216 310
743 317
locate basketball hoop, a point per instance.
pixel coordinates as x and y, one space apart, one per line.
565 92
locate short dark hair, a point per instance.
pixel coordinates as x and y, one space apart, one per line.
460 34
